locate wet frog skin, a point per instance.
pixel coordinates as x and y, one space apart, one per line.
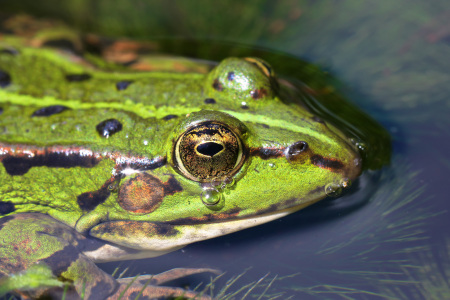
101 163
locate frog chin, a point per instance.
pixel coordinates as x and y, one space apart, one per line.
133 239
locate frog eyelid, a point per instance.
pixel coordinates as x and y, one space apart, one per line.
262 65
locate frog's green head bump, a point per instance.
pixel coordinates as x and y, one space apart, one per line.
243 80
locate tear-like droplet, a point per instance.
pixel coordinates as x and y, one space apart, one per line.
333 189
211 196
228 182
113 187
345 183
361 146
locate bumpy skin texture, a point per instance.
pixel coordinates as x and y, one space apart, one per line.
90 169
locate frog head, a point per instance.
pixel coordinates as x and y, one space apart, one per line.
231 168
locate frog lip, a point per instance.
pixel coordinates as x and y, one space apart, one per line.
164 237
274 211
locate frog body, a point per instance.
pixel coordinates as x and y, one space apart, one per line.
102 163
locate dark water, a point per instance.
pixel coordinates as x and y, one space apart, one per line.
387 240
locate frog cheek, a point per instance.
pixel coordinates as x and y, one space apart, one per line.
142 193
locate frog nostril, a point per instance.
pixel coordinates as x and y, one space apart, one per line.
295 149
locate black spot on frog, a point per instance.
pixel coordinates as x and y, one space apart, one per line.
10 51
169 117
5 79
209 101
49 110
217 85
123 85
6 207
78 77
90 200
108 127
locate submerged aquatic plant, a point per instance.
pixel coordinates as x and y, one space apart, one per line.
384 251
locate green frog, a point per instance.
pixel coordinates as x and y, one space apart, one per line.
104 161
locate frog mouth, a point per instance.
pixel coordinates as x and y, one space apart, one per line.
166 237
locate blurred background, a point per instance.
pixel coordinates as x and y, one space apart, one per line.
388 239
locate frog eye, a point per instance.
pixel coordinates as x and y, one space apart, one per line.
262 65
208 151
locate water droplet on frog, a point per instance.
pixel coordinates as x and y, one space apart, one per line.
53 126
228 182
273 166
214 182
361 146
333 189
211 196
345 183
145 142
113 187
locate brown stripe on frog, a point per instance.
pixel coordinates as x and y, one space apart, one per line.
278 206
90 200
298 152
233 214
224 216
331 164
144 193
133 229
19 159
267 152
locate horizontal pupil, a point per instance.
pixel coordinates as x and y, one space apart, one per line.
209 148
